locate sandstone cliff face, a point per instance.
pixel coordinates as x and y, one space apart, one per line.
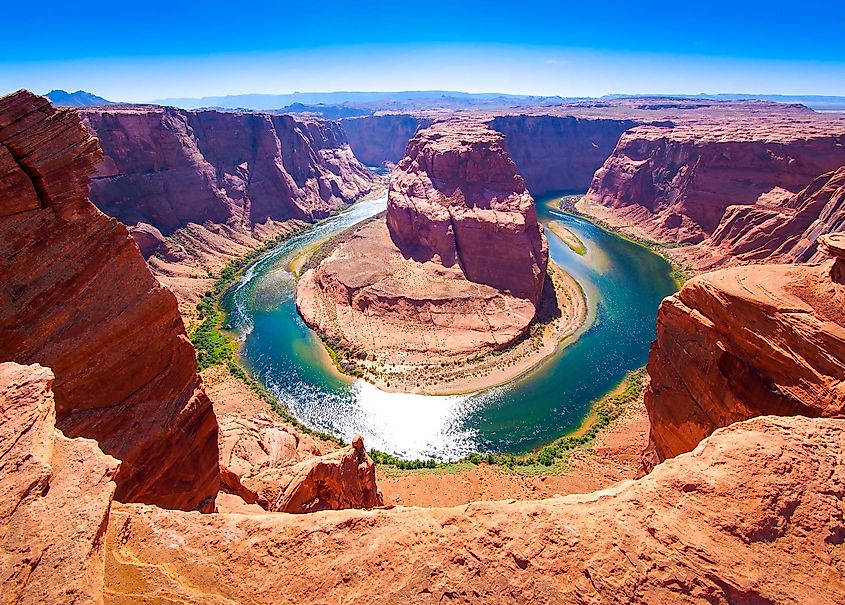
552 152
457 197
675 184
55 495
382 139
559 153
77 296
740 520
743 342
784 230
168 167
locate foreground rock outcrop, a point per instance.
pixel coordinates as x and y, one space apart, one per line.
676 183
55 496
270 464
77 296
739 520
744 342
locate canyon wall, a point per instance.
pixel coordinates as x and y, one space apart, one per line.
457 197
168 167
740 520
552 152
559 153
381 139
77 296
784 230
675 184
747 341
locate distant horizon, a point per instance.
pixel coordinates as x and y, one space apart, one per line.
318 98
545 48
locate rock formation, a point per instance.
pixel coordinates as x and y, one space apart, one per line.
269 463
456 197
169 167
780 230
675 183
78 297
456 270
744 342
739 520
55 495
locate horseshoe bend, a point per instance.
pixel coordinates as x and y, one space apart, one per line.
455 271
421 346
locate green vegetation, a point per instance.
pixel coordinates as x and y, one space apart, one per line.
568 237
605 411
215 347
680 273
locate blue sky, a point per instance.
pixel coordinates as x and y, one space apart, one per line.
143 51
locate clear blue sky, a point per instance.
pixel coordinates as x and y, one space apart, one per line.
142 51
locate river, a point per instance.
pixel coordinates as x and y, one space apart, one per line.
623 282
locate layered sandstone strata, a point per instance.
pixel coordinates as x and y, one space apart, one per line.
676 183
741 519
169 167
382 138
55 496
201 188
78 296
744 342
457 269
559 153
785 229
456 198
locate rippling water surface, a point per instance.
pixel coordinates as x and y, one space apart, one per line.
624 284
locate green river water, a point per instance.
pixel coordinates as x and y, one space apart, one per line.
623 282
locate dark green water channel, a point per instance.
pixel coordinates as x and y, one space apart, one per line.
624 284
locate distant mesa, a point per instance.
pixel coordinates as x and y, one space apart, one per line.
80 98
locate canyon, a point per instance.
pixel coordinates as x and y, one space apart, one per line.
123 370
677 171
111 455
198 189
456 269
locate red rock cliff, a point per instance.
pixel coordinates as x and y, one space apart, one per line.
78 296
747 341
559 153
781 230
379 139
675 184
457 196
552 152
169 167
